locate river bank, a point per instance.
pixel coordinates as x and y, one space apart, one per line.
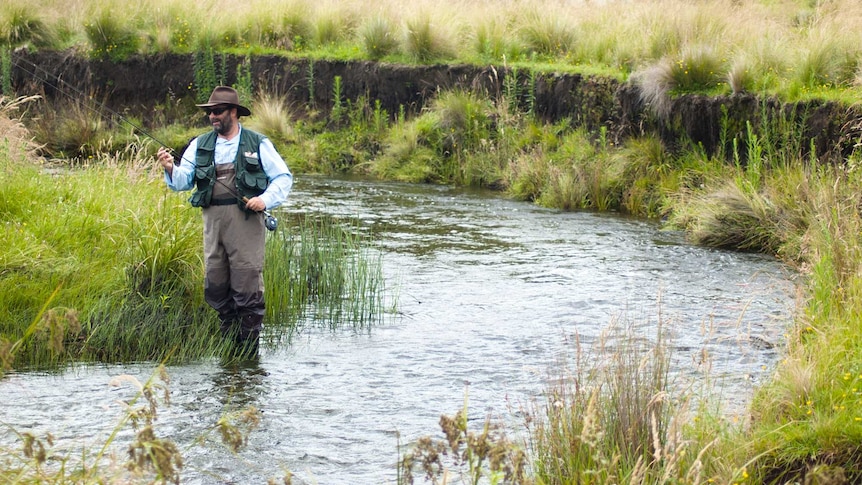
622 109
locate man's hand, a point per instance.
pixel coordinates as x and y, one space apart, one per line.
166 160
255 204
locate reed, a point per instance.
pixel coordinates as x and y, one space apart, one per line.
614 416
324 271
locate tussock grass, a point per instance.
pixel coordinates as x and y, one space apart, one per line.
547 36
20 26
379 37
425 41
272 115
614 416
111 36
796 49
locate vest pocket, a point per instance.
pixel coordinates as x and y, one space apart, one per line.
252 164
204 174
255 182
201 198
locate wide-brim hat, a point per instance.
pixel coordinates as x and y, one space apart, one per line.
226 95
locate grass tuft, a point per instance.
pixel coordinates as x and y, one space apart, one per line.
425 41
379 37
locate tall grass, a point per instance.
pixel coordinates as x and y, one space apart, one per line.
327 272
807 419
798 49
617 417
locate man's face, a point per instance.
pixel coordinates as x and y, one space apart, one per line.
222 118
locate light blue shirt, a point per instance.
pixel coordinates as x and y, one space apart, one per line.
280 178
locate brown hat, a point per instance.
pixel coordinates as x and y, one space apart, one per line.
226 95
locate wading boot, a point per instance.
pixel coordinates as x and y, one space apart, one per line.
248 337
229 324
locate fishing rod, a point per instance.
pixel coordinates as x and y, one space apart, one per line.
270 221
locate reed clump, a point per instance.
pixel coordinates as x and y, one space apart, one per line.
618 417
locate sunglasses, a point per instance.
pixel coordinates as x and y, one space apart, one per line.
215 111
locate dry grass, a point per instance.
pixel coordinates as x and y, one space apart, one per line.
781 46
15 139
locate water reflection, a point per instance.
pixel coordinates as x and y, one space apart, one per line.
240 383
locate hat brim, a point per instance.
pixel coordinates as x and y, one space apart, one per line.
240 110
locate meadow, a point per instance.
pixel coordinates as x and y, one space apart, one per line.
768 193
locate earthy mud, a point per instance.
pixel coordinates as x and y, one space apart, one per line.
135 85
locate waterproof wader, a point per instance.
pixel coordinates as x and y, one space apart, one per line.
234 244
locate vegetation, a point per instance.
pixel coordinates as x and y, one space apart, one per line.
617 420
795 48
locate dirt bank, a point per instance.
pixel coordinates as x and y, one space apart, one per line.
135 85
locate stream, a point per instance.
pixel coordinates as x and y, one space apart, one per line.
491 297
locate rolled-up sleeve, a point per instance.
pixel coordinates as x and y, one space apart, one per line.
182 177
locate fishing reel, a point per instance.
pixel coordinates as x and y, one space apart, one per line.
270 222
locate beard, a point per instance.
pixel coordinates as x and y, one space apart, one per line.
223 126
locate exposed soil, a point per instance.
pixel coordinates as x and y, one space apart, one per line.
135 85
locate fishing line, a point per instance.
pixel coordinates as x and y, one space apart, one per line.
270 221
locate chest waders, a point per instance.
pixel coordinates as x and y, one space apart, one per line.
234 247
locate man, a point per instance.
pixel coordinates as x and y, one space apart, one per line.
238 175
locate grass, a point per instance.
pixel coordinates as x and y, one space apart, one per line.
793 48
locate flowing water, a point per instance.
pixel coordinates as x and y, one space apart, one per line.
492 295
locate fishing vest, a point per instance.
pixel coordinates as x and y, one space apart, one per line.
250 181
